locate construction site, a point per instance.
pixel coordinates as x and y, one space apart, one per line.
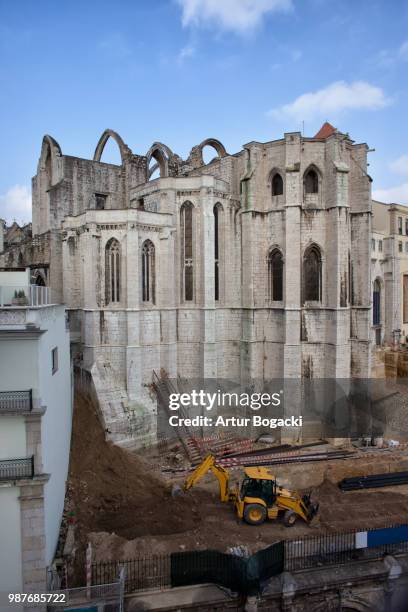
148 506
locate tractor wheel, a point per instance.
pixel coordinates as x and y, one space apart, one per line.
289 518
254 514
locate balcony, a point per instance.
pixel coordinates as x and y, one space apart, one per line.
16 469
24 296
16 401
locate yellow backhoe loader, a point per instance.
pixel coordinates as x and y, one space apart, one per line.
259 496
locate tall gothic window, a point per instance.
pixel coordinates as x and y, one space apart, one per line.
275 275
277 185
312 275
148 272
112 271
311 182
217 249
377 303
187 259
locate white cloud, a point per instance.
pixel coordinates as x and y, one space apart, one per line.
400 165
235 15
336 97
15 204
185 53
398 194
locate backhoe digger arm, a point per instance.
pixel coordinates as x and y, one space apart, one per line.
219 472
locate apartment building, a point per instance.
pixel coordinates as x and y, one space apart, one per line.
35 429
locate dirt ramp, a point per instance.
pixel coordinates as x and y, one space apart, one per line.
114 491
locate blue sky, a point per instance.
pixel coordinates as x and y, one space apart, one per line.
179 71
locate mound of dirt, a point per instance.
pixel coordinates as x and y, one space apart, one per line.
114 491
340 511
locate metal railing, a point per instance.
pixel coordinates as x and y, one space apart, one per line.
141 573
15 469
334 549
161 571
16 401
24 295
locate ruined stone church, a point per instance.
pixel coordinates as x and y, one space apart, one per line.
255 265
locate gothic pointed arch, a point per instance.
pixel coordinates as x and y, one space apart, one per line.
276 182
218 212
312 180
50 150
377 299
312 274
196 153
275 274
123 148
49 144
215 144
113 266
187 246
148 272
161 153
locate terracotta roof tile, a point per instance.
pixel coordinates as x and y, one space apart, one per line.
325 131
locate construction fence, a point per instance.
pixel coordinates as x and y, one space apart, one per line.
245 574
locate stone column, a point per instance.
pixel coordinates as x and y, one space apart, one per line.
133 351
33 438
167 286
33 534
90 260
292 353
207 285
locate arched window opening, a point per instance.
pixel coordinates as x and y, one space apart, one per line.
311 182
154 169
112 271
20 262
277 185
216 256
148 272
218 229
71 245
187 259
39 281
312 275
100 201
275 276
209 154
110 153
376 303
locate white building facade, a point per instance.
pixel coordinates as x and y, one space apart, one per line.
35 433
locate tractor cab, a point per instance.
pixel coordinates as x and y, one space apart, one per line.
257 496
261 488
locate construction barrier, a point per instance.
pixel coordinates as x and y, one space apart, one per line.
247 575
243 575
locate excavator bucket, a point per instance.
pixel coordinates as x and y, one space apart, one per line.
312 508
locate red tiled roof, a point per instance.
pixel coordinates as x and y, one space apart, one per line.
325 131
